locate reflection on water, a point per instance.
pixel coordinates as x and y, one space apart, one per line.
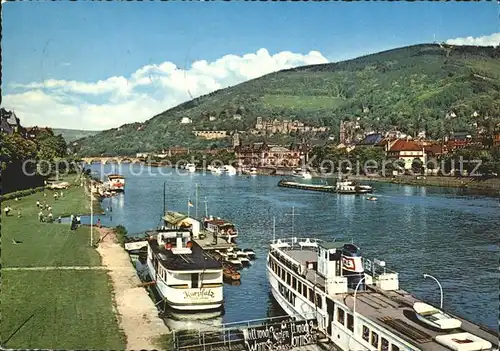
441 232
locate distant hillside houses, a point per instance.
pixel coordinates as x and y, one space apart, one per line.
267 155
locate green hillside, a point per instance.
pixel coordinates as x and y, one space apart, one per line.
74 134
412 88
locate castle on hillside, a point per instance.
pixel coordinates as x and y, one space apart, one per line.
285 126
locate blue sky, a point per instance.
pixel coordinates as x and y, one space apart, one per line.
92 41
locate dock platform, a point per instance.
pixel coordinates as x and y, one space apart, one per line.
207 243
311 187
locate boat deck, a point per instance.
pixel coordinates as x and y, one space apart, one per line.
206 244
393 310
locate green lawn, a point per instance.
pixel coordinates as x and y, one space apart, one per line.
70 309
47 244
302 102
58 310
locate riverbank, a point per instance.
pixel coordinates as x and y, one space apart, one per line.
69 307
488 186
137 313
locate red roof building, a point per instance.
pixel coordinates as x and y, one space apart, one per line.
407 150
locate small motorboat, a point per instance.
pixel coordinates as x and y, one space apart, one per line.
250 253
371 198
231 275
435 317
245 262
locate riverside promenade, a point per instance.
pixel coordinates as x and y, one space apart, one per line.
137 313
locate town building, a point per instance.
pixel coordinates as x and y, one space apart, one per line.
10 124
186 120
211 134
32 132
264 155
406 150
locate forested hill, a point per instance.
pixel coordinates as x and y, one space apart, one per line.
412 88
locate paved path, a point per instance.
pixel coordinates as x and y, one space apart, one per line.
137 313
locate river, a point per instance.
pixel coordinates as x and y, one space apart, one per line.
437 231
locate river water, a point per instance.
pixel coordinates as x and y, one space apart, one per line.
415 230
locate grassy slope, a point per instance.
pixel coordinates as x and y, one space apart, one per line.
47 244
72 309
397 86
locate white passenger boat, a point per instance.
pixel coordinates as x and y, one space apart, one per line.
302 173
116 182
185 276
228 170
253 171
357 303
350 187
190 167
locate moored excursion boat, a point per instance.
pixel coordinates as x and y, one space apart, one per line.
185 276
301 173
344 186
357 303
116 182
190 167
220 228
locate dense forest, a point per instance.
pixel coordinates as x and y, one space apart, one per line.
436 88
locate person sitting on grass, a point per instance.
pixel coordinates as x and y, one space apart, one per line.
55 196
51 218
49 209
7 210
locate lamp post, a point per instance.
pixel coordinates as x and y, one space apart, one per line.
440 287
355 291
91 217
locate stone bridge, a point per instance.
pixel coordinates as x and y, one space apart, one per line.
110 160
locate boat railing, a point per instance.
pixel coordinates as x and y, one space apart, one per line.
296 243
376 267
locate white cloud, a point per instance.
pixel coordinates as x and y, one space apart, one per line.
485 40
148 91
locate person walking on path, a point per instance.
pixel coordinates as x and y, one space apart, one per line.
7 210
98 223
61 195
49 209
37 203
51 217
18 213
40 216
55 196
59 219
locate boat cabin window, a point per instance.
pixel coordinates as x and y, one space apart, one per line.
394 347
311 295
350 322
366 333
340 315
384 345
288 278
294 283
374 339
304 290
318 301
299 287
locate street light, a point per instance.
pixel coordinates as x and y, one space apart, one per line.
440 287
355 291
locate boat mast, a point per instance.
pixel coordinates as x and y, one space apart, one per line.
293 214
274 229
206 207
164 207
196 200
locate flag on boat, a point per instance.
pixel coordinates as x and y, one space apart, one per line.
190 204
